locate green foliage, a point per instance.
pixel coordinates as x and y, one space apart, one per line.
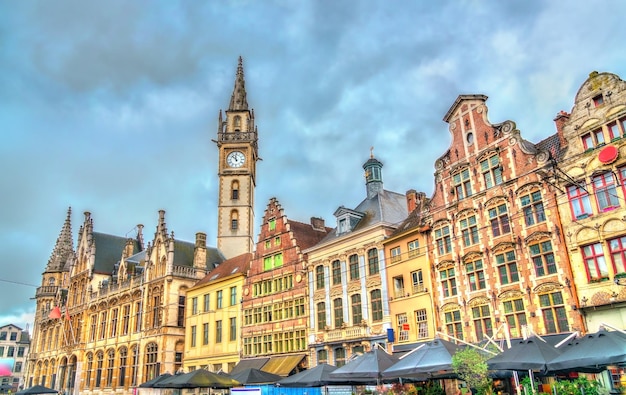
530 389
434 388
471 367
580 386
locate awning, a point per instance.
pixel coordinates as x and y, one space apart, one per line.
282 365
255 363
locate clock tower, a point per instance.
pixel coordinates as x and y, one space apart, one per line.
237 143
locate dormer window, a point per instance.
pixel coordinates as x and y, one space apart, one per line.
343 225
598 101
347 219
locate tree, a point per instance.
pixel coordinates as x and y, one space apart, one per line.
471 367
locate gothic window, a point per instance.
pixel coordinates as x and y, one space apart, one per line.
99 367
110 367
123 361
606 192
596 266
151 361
492 171
442 239
553 311
499 219
515 315
180 319
462 184
234 190
89 370
507 267
532 207
579 203
543 258
237 122
469 230
448 282
454 326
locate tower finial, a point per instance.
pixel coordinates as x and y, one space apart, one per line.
372 152
238 100
64 246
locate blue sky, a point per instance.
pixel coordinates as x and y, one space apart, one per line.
110 106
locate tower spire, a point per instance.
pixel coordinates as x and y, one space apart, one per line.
64 246
239 101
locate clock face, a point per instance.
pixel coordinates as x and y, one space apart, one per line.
236 159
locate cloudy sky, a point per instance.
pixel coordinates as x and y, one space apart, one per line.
110 107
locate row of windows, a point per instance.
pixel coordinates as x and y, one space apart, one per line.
403 327
278 311
10 351
339 355
600 136
499 222
218 329
595 260
275 343
12 335
272 285
413 248
417 284
356 310
219 301
551 305
491 170
605 187
541 255
353 269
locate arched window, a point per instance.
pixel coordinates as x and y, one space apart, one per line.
377 305
88 383
234 190
340 356
237 122
338 312
357 313
123 364
234 220
110 366
99 365
336 267
372 261
319 277
151 361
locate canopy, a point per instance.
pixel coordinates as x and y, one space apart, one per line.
427 359
365 367
37 389
530 354
157 379
200 378
318 376
592 352
255 376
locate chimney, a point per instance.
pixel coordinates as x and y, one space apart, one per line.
411 197
317 223
561 119
201 239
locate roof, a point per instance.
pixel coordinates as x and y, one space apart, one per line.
551 144
306 235
109 251
233 266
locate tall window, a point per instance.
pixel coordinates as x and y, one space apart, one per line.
462 186
125 319
233 296
454 327
319 277
421 320
617 248
205 334
499 219
396 255
543 258
93 322
482 321
207 303
398 286
103 324
475 274
372 259
507 267
234 190
357 311
123 362
89 370
234 220
593 255
448 282
553 310
218 300
114 318
515 316
180 319
218 331
605 191
354 267
336 269
414 247
338 312
469 230
110 366
377 305
194 305
442 238
193 336
532 206
99 368
579 203
613 130
271 224
340 356
417 281
151 361
156 311
233 329
402 327
321 316
492 171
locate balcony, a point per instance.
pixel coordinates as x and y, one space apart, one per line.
353 332
47 290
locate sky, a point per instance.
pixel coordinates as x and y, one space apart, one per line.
110 106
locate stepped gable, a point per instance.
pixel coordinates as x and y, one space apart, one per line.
232 266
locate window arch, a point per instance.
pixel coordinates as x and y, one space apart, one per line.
151 363
234 190
110 367
99 365
234 220
123 362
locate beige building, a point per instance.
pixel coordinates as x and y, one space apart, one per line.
348 278
590 174
14 348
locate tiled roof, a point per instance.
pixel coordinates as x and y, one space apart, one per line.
306 235
237 265
108 251
412 221
552 144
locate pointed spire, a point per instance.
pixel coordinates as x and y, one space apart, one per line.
63 248
239 101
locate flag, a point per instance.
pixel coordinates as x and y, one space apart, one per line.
55 313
